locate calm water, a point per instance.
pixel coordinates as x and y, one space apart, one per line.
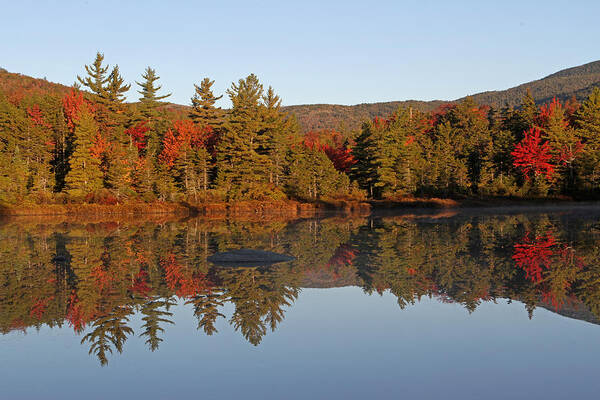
491 304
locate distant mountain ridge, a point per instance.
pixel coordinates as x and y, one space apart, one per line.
576 81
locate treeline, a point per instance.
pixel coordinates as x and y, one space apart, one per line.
92 146
473 150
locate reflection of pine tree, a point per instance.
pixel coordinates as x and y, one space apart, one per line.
107 331
206 309
153 316
258 297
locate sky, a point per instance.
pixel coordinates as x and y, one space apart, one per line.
341 52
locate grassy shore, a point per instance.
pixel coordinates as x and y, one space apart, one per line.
262 209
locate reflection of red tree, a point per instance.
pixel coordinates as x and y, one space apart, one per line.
181 280
140 284
531 255
75 313
102 276
344 256
39 307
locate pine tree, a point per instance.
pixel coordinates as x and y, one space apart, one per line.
96 77
527 115
84 175
312 175
204 112
365 169
587 120
275 140
115 90
241 170
150 99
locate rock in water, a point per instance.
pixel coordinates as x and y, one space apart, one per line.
247 258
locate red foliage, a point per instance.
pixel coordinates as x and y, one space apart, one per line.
140 284
440 113
548 113
75 314
341 157
103 277
344 255
39 308
568 154
186 134
36 116
531 255
138 134
333 145
179 279
72 103
99 147
533 155
171 147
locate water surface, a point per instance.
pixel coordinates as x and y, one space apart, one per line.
470 304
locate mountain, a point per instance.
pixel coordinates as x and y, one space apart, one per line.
576 81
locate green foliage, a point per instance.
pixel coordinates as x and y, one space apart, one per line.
150 99
84 176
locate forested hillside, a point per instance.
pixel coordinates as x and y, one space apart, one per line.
575 82
70 145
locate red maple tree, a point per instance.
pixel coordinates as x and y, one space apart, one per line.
532 155
138 134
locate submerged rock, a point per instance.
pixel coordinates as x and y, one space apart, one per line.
248 258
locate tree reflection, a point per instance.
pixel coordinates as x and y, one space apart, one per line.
94 277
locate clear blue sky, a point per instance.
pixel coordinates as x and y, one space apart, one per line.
343 52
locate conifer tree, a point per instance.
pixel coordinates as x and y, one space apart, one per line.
203 110
587 120
96 77
365 169
115 90
275 140
150 99
241 170
84 175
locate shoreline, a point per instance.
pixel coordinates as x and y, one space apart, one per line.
283 209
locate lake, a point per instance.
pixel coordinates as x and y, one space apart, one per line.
469 304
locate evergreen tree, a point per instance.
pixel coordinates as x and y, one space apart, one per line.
84 175
115 90
587 122
150 99
204 112
96 78
241 170
278 130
